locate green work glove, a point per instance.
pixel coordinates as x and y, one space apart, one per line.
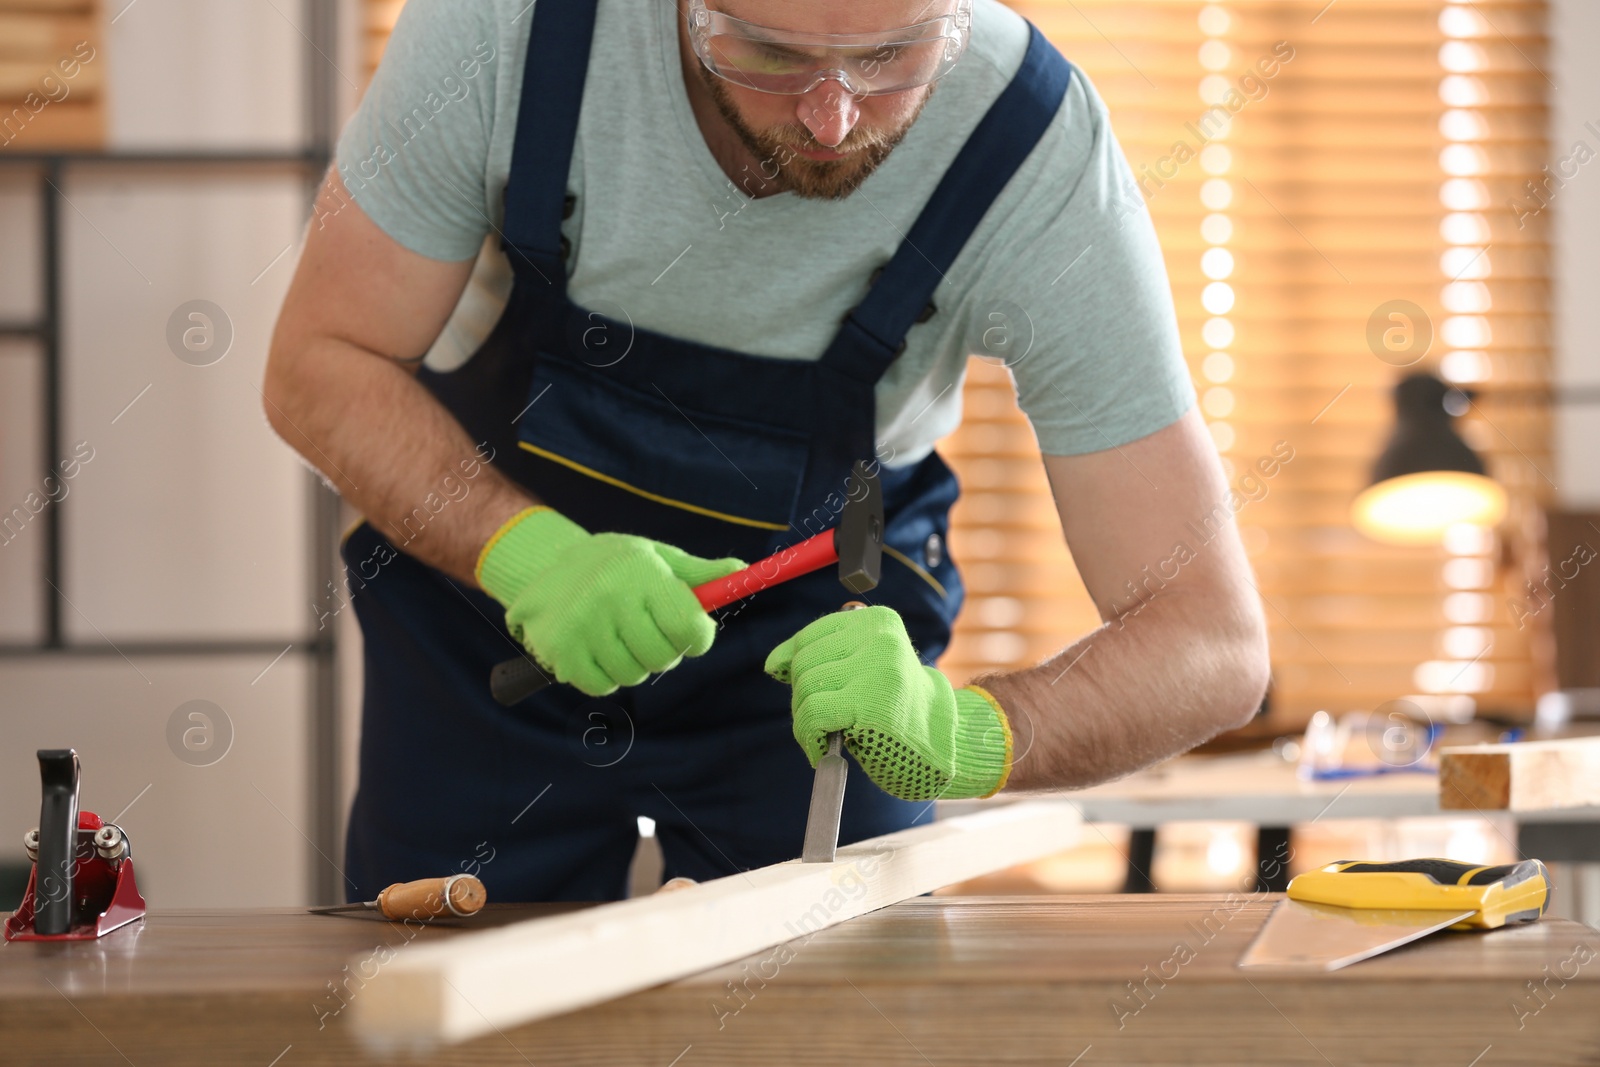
599 611
914 735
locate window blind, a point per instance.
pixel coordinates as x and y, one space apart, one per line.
1341 192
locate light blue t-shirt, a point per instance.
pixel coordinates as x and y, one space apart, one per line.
1063 279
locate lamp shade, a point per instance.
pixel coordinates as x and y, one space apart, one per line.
1426 479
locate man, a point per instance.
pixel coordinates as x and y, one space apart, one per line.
734 247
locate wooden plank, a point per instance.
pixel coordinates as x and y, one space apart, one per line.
50 6
42 80
1020 981
487 981
70 124
44 39
1522 777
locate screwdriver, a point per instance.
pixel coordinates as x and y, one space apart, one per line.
460 895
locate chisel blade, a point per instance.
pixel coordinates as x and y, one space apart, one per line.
1302 936
827 804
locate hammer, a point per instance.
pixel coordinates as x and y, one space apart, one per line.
856 545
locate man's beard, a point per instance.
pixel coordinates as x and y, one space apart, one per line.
813 179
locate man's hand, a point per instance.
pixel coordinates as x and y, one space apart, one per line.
599 611
915 736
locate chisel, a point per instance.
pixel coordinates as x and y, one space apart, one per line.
827 796
460 895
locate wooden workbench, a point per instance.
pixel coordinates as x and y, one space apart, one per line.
935 980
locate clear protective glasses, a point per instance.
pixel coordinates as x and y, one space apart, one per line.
864 64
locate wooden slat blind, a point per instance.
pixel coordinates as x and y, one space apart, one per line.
1344 181
52 71
1380 161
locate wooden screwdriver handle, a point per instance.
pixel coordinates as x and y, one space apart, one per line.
429 898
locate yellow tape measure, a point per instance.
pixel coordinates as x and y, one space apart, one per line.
1508 893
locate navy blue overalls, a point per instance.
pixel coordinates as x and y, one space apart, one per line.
719 452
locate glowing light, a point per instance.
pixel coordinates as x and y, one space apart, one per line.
1459 57
1459 125
1463 160
1467 642
1459 90
1465 367
1464 228
1223 854
1417 509
1465 608
1002 646
1218 367
1215 55
1464 194
1469 539
1217 333
1468 263
1218 402
1469 844
1217 263
999 611
1213 87
1216 194
1466 331
1214 20
1462 22
1215 159
1466 298
1468 572
1216 229
1217 298
1451 676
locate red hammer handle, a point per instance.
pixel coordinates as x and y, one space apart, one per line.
520 677
812 554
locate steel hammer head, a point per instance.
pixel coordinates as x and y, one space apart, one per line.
859 536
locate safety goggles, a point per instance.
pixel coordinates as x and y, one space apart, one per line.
864 64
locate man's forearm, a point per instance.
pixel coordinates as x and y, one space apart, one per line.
1135 691
390 449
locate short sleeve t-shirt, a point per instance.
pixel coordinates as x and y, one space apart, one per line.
1062 280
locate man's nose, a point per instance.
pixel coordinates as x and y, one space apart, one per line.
829 112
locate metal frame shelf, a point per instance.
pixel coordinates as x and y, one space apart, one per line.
45 330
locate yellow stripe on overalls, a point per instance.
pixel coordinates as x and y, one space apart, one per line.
671 503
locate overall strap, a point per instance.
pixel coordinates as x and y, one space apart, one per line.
874 332
547 126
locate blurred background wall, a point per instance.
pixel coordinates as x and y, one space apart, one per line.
168 613
156 609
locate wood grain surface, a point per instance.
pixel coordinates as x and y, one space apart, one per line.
1528 776
944 981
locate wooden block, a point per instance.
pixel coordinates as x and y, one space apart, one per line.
50 6
47 39
478 983
20 78
1526 776
66 125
